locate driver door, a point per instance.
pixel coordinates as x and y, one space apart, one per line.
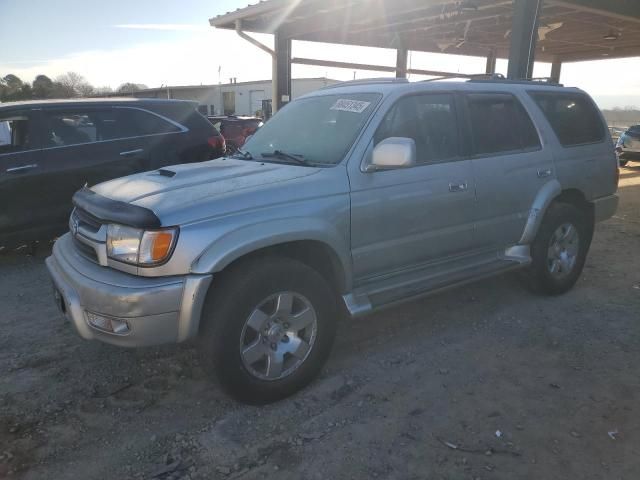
409 218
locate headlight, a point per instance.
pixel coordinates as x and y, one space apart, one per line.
139 247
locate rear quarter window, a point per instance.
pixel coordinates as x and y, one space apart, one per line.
573 117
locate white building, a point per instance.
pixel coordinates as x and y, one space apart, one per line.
241 98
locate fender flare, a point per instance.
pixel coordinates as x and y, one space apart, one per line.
545 196
246 239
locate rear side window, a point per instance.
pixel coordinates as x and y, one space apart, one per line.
430 120
134 123
499 123
572 116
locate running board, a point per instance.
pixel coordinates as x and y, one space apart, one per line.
375 296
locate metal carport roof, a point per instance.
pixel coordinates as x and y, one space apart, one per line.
555 31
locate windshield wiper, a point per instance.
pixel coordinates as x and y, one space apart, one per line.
286 156
242 153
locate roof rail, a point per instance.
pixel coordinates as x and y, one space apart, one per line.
366 81
499 78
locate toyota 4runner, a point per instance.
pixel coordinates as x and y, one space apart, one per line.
350 199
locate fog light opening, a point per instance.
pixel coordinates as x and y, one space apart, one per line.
107 324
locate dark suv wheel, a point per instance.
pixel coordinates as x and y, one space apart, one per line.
559 250
268 329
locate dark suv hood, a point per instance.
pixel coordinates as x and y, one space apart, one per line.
178 186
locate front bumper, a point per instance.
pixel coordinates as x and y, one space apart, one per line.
157 310
605 207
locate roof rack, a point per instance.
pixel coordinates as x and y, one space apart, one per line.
499 78
365 81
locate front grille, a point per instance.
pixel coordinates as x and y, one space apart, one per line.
85 250
86 220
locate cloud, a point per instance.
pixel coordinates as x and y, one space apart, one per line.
174 27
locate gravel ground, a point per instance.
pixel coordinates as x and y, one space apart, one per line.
484 382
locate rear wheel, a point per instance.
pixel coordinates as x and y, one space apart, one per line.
559 250
269 329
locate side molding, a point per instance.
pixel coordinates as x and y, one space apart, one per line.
543 199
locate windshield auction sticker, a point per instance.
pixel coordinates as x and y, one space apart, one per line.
355 106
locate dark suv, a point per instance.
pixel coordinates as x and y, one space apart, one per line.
50 149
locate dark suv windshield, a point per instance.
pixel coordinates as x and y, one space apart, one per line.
319 129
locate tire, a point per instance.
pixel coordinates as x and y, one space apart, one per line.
243 315
557 262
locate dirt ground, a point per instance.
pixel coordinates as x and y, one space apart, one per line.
484 382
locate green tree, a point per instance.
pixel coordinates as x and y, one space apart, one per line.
11 88
42 87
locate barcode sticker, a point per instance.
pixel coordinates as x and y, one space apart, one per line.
354 106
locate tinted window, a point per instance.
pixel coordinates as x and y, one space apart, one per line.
134 122
500 124
75 127
573 117
14 133
430 120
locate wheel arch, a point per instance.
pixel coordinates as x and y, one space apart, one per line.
552 192
318 246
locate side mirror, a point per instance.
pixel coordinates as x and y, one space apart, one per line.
392 153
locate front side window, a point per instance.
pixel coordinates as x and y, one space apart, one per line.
14 133
318 129
572 116
499 124
430 120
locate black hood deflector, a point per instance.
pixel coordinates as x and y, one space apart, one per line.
114 211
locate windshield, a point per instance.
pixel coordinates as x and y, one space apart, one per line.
318 129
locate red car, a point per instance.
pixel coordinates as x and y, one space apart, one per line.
235 130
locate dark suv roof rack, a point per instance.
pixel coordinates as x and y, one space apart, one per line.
499 78
366 81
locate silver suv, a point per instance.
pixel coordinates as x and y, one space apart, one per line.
350 199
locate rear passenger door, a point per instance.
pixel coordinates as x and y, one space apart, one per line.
509 165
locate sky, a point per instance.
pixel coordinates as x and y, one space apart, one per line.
171 43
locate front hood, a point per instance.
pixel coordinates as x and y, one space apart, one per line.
181 186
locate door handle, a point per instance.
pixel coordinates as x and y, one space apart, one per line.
130 153
457 187
544 173
21 169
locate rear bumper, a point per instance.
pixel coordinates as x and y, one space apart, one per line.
156 310
605 207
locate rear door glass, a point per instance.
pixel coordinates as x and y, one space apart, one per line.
133 122
573 117
499 123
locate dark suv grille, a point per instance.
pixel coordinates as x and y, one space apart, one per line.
86 220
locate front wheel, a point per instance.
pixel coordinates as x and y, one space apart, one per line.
559 250
269 329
